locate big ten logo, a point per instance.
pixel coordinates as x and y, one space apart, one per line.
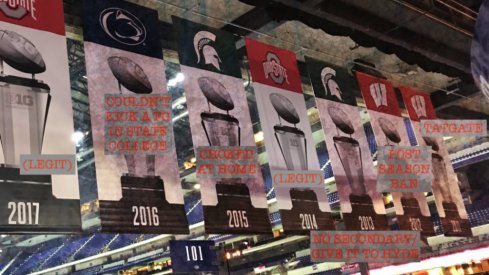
294 142
18 100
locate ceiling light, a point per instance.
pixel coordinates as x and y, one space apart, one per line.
77 137
179 77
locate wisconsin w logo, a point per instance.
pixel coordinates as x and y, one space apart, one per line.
419 105
379 94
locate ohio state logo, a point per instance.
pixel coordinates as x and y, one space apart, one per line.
18 9
274 70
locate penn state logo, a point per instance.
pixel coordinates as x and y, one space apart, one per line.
122 26
18 9
273 69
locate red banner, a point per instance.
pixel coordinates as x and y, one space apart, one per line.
45 15
418 104
273 66
448 199
411 208
378 94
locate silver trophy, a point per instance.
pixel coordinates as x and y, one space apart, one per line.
24 101
221 129
348 150
131 76
291 140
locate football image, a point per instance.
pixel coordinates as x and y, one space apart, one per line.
130 75
340 119
389 130
216 93
18 52
284 108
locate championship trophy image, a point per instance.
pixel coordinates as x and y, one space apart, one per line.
233 195
291 140
293 146
453 224
413 218
23 116
140 185
350 156
221 129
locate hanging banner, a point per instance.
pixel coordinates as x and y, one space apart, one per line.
361 205
448 199
138 180
36 121
233 197
388 125
193 256
291 150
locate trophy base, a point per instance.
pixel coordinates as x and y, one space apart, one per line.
28 205
305 214
413 219
453 225
234 213
143 209
363 216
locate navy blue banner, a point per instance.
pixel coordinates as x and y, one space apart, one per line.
193 256
122 25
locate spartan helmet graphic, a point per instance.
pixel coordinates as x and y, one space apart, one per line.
330 85
202 47
379 94
419 105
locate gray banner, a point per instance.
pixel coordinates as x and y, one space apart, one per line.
404 169
220 162
297 178
365 246
47 164
455 127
